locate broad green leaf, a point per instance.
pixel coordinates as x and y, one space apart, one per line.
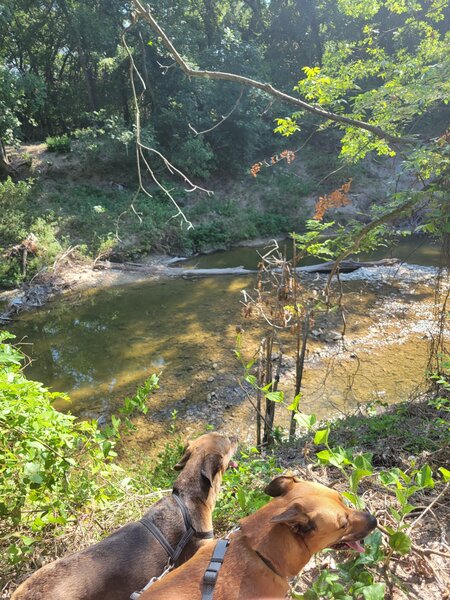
445 473
400 542
376 591
424 477
275 396
304 420
321 436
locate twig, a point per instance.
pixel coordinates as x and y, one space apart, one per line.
429 507
223 119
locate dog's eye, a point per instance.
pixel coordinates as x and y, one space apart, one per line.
343 524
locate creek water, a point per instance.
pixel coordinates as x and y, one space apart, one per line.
98 345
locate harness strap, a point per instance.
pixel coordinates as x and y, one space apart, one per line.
212 571
174 555
146 522
184 511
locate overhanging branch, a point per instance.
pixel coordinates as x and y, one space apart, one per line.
146 14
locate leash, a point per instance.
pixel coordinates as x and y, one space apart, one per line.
174 555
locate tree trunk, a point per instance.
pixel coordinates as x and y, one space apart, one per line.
6 170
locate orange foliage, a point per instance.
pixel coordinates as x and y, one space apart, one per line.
287 155
334 200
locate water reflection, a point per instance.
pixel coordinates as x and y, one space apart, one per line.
98 345
414 249
95 343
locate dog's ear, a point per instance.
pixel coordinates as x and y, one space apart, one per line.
186 456
280 486
210 467
296 517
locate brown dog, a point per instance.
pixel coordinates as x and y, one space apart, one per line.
125 561
272 545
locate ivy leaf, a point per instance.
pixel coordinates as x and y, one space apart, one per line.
400 542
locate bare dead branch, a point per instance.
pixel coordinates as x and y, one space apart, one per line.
141 149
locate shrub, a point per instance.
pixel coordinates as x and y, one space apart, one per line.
13 198
51 464
195 157
58 143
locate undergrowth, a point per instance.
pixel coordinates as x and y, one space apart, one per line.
108 221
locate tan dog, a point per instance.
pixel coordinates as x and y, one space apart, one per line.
272 545
125 561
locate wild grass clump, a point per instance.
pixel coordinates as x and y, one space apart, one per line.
60 144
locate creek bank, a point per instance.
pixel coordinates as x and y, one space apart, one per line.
76 275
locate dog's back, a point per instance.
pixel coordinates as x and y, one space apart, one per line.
98 570
126 560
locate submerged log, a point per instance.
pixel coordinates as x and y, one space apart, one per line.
345 267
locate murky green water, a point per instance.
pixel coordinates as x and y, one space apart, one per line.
99 345
415 249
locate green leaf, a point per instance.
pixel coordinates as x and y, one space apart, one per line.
356 477
445 473
324 456
106 448
275 396
400 542
321 436
375 591
304 420
424 477
295 402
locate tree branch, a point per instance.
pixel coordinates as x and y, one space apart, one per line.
146 14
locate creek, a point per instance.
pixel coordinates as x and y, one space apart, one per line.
98 345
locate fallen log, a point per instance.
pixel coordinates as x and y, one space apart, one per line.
326 267
347 266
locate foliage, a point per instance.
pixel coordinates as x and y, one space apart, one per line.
13 200
20 221
58 143
242 487
195 157
53 465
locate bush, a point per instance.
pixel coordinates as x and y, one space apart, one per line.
195 157
58 143
13 199
51 464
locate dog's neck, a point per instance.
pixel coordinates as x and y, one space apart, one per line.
199 500
275 542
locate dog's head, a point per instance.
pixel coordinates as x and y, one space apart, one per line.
318 514
208 456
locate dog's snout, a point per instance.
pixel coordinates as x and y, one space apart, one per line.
371 521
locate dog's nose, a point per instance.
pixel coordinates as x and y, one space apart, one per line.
371 521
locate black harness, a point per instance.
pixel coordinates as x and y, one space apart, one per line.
212 571
173 554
